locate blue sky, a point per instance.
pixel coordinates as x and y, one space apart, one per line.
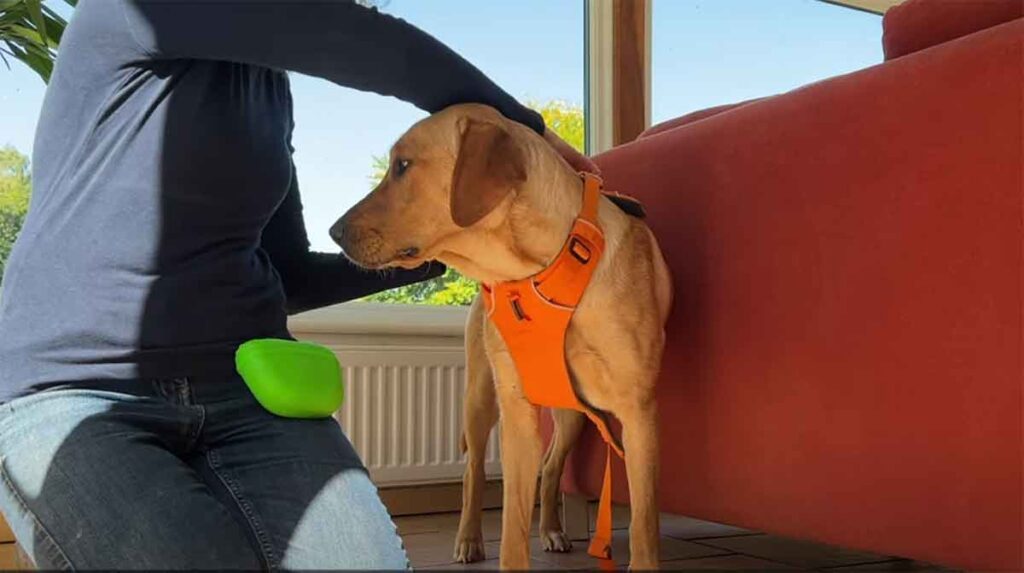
705 53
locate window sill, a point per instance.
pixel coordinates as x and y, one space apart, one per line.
366 318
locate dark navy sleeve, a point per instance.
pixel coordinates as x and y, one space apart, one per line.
313 280
338 40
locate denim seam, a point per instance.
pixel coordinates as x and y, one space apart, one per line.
38 525
250 516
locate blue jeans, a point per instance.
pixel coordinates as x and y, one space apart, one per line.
185 474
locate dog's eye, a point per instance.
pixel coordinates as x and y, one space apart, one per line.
400 167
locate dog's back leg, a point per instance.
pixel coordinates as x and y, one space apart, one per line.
568 424
640 436
480 413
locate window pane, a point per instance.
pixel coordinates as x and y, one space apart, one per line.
712 52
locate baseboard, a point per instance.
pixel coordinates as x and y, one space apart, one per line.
434 498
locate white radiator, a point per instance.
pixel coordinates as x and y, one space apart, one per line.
404 386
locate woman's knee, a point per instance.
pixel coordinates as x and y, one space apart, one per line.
346 526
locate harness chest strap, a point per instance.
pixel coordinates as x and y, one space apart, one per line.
533 314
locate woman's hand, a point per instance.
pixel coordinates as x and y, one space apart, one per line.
577 160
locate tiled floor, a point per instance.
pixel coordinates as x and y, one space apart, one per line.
686 544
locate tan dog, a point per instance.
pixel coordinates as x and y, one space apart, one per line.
492 199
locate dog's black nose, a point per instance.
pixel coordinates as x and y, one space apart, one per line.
338 232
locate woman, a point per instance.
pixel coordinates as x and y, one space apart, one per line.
165 229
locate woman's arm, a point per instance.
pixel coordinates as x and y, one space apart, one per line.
313 280
340 40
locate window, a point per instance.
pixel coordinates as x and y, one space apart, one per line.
713 52
532 48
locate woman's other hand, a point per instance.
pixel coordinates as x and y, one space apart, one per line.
577 160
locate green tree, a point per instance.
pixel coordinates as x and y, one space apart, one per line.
15 189
30 32
452 288
565 119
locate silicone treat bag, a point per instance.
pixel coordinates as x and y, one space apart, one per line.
291 379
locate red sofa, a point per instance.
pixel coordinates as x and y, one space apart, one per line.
845 353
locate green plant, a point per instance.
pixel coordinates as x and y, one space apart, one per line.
15 190
452 288
30 32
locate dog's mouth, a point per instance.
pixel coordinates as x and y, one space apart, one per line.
407 258
408 253
367 248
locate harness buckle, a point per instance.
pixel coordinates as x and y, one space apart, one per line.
579 250
517 308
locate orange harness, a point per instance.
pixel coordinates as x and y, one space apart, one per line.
533 316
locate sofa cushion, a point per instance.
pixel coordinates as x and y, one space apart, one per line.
692 117
918 24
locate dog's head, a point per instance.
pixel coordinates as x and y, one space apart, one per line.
448 190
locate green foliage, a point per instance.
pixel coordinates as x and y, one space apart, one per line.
380 165
30 32
15 189
565 119
452 288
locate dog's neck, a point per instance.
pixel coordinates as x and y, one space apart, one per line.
533 227
540 220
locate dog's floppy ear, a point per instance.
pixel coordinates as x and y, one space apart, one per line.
490 165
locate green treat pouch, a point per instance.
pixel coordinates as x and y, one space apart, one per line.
291 379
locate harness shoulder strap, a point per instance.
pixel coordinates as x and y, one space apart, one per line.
592 185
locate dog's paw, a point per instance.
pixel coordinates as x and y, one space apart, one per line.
555 541
468 550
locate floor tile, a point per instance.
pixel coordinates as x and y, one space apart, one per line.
724 563
793 552
670 548
682 527
490 524
431 523
11 559
428 549
579 559
620 516
576 559
434 498
687 544
6 536
488 565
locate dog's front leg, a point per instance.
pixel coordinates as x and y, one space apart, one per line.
520 462
568 425
480 413
640 439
